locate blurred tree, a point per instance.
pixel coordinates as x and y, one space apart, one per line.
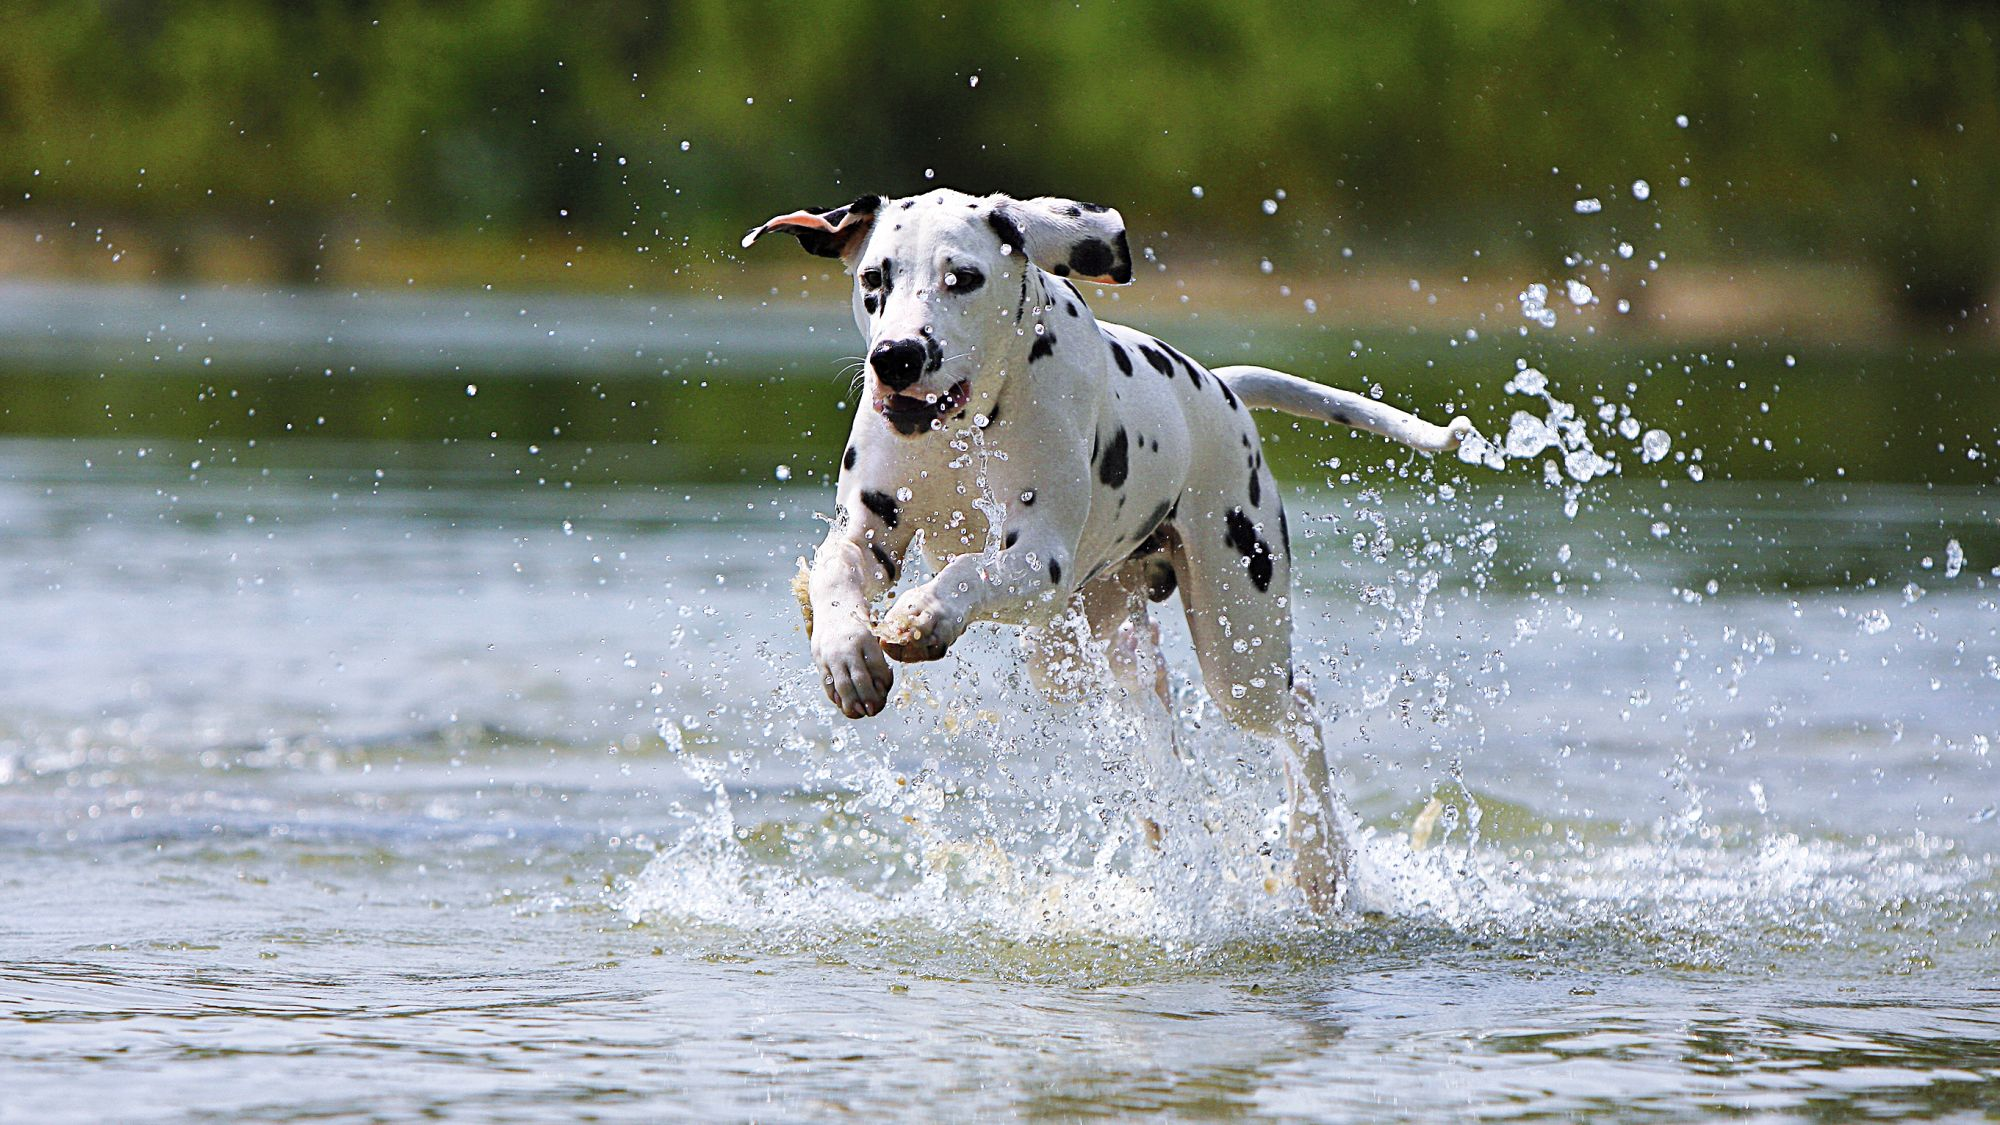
1859 132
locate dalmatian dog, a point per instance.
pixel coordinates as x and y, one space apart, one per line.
1053 461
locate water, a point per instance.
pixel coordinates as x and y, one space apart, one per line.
352 781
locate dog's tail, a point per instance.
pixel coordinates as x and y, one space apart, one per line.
1275 390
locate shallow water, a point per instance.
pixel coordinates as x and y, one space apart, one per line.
336 786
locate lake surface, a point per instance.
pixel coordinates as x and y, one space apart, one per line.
392 781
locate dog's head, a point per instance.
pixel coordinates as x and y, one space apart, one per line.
942 289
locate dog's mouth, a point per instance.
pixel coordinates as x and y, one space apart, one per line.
916 414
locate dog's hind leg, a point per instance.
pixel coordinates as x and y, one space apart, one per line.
1233 560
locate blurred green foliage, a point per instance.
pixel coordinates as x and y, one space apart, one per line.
1853 132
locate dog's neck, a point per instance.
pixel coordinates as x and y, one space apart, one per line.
1011 360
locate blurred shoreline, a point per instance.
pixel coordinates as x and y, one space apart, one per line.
561 302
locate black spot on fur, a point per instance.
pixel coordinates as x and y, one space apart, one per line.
1094 208
1069 308
993 415
871 302
907 204
1194 372
1284 529
882 556
1118 355
1113 469
1244 538
883 505
1073 211
1045 346
1021 308
1055 572
1092 258
1121 261
1007 231
1256 491
847 462
1160 363
1013 537
1229 394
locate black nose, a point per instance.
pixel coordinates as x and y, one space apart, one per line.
898 362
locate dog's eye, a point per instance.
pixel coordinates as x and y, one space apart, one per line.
871 278
962 280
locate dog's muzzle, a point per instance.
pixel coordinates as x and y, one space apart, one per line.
899 363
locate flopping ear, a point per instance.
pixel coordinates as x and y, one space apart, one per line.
829 234
1067 238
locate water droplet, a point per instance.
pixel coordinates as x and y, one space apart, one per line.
1654 446
1589 206
1270 206
1196 191
1681 119
471 389
1641 190
782 472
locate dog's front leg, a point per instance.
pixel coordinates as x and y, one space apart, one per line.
847 573
1033 571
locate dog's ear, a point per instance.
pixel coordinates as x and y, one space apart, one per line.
829 233
1066 238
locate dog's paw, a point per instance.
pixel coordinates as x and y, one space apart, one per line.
918 628
853 669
